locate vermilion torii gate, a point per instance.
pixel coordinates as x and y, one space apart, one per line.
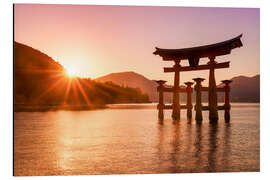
193 55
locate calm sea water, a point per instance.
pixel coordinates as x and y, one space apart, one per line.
129 139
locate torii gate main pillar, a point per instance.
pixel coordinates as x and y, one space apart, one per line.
176 103
212 92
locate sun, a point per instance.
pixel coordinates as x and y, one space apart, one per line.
71 72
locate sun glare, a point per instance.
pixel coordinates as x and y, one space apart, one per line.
71 72
76 70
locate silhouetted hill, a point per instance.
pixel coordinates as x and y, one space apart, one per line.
41 81
28 58
243 89
132 79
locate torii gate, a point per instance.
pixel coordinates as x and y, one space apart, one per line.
193 56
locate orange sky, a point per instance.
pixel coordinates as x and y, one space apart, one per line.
97 40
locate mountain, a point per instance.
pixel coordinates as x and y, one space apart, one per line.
243 89
134 80
41 81
28 58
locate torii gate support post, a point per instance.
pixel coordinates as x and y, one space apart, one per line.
227 105
161 104
212 92
176 104
189 100
198 106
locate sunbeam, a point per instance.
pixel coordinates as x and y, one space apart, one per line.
82 91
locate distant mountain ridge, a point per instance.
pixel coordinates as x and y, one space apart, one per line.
243 88
132 79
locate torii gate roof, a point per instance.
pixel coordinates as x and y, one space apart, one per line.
217 49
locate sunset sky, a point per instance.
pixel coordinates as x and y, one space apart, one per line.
98 40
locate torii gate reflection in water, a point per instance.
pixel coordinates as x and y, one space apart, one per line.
193 56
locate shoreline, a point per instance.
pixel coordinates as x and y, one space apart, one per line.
46 108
